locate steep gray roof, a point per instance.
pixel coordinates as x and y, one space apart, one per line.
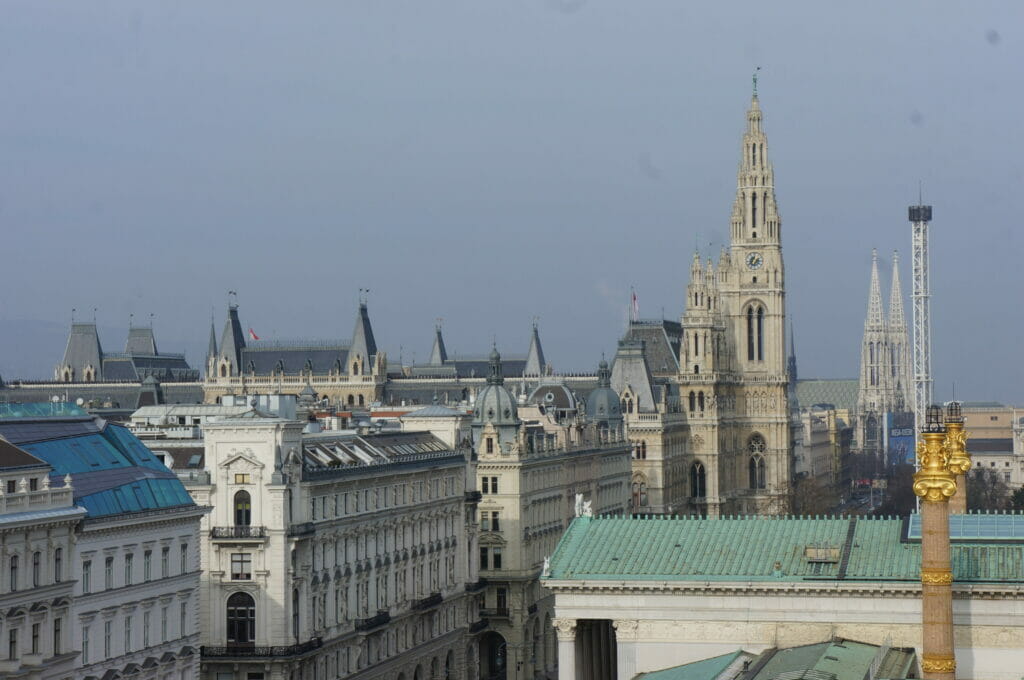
630 370
535 364
232 340
211 352
363 343
265 357
661 340
841 393
141 341
83 349
438 355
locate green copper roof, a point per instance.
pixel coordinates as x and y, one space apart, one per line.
708 669
764 549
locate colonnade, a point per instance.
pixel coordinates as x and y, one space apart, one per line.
587 648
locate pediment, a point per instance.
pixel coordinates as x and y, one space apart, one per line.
242 460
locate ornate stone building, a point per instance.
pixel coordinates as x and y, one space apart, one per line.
539 460
334 555
730 388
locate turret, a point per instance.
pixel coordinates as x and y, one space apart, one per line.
363 348
438 354
232 341
535 364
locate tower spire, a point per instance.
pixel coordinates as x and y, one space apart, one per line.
874 320
896 318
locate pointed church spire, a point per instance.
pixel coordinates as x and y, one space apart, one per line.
535 364
791 363
232 340
755 216
211 351
874 319
438 355
896 318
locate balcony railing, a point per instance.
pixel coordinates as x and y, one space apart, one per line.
382 618
431 600
238 532
495 613
478 626
302 529
261 652
474 587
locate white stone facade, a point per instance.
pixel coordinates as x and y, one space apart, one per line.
352 567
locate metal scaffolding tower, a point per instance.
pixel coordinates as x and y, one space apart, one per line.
920 216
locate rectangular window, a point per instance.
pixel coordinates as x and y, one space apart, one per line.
87 576
129 563
501 599
85 645
163 625
35 638
183 627
494 522
145 629
12 644
242 478
494 485
496 558
108 573
11 486
147 565
483 558
57 635
107 636
165 558
485 521
241 566
33 484
484 486
184 558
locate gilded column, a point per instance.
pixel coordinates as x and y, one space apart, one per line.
935 484
959 458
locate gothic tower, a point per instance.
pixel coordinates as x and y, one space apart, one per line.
899 344
740 431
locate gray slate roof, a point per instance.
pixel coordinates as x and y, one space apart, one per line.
842 393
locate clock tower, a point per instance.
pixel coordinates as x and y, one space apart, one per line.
733 384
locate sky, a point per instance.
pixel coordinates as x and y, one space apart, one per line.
489 163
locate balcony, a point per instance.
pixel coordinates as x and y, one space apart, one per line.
244 651
495 613
431 600
303 529
478 626
474 496
381 619
243 532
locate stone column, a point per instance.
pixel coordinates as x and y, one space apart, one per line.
625 647
566 631
934 483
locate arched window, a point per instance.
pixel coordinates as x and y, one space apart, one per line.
750 333
639 493
700 401
241 619
696 344
698 481
355 368
643 450
361 402
753 212
351 400
756 466
243 509
693 401
629 406
760 333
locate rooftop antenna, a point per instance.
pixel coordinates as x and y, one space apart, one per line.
755 80
73 310
131 321
151 315
920 215
94 314
232 298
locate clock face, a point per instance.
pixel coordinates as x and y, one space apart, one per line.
754 260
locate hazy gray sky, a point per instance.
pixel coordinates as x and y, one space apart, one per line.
486 162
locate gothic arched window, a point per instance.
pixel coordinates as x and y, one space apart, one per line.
698 480
760 333
700 401
756 465
361 401
750 333
643 450
753 212
351 400
241 620
243 509
693 401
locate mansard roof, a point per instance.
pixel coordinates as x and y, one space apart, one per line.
112 472
265 356
759 548
661 340
141 341
840 392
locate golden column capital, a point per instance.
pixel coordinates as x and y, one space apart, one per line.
956 446
937 663
933 481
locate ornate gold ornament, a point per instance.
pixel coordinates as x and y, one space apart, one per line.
937 664
956 446
933 481
936 577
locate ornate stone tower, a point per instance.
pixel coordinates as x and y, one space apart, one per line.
737 317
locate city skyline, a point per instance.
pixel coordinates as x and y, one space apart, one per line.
456 179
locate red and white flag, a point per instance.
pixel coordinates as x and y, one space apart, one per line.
252 335
635 308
